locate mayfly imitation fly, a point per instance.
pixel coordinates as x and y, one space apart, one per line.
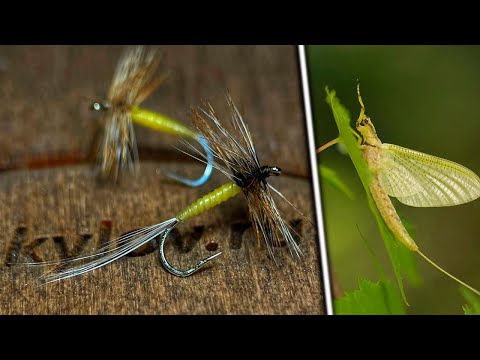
134 80
414 178
239 162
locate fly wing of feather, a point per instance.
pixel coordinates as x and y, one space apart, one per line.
236 153
135 77
423 180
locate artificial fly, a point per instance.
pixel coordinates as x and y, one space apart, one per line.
134 80
239 162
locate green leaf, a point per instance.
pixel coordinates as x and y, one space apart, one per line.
473 302
375 261
400 257
330 176
371 298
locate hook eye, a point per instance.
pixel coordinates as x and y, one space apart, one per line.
100 106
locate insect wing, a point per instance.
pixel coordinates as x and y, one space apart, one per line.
423 180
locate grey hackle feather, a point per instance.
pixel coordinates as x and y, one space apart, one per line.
238 159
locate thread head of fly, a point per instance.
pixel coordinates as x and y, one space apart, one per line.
100 106
244 180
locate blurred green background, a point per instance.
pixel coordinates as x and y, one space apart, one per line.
421 97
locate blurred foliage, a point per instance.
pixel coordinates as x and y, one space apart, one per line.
330 176
473 302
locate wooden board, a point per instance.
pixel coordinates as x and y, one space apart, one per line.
60 209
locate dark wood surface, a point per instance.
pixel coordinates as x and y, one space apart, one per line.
52 206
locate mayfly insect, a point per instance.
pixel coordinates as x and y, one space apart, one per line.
414 178
237 159
134 80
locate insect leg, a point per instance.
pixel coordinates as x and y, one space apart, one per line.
327 145
358 136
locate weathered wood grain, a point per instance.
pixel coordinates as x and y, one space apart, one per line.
65 203
56 211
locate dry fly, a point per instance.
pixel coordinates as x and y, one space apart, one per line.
236 158
414 178
135 78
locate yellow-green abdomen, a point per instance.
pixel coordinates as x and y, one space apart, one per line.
216 197
160 122
389 214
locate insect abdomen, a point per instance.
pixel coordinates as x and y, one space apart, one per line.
216 197
160 122
389 214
